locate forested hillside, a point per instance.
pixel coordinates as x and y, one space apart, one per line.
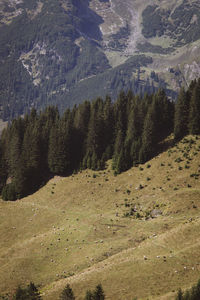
65 52
51 54
128 131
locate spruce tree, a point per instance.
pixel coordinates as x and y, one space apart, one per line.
119 145
33 292
194 114
67 293
20 294
89 295
181 115
3 168
31 156
59 148
98 293
149 136
180 295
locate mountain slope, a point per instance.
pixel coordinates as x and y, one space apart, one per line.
137 233
63 52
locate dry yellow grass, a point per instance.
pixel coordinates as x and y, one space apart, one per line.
73 230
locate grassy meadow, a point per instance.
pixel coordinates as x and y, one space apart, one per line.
136 233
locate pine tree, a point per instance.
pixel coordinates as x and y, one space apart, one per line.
3 168
20 294
195 292
67 293
149 136
95 139
179 295
29 293
80 125
33 292
98 293
181 115
119 145
59 148
31 156
108 132
89 295
194 114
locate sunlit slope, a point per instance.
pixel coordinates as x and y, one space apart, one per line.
94 227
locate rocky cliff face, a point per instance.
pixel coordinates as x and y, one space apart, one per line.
63 52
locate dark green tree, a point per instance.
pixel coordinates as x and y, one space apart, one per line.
149 136
98 293
89 295
194 114
29 293
33 292
59 148
20 294
67 293
181 115
179 295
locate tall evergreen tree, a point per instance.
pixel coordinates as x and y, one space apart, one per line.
59 149
67 293
33 292
149 136
181 115
3 168
194 114
89 295
98 293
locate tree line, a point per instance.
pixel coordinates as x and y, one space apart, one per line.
31 292
128 131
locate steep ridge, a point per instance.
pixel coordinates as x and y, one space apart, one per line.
141 226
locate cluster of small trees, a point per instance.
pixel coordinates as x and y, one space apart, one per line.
43 144
97 294
31 292
192 294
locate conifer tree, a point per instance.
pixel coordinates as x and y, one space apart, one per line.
89 295
181 115
3 168
95 139
59 149
31 156
194 114
149 136
20 294
98 293
33 292
119 145
179 295
80 125
67 293
108 132
134 131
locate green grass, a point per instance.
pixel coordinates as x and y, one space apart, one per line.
79 234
